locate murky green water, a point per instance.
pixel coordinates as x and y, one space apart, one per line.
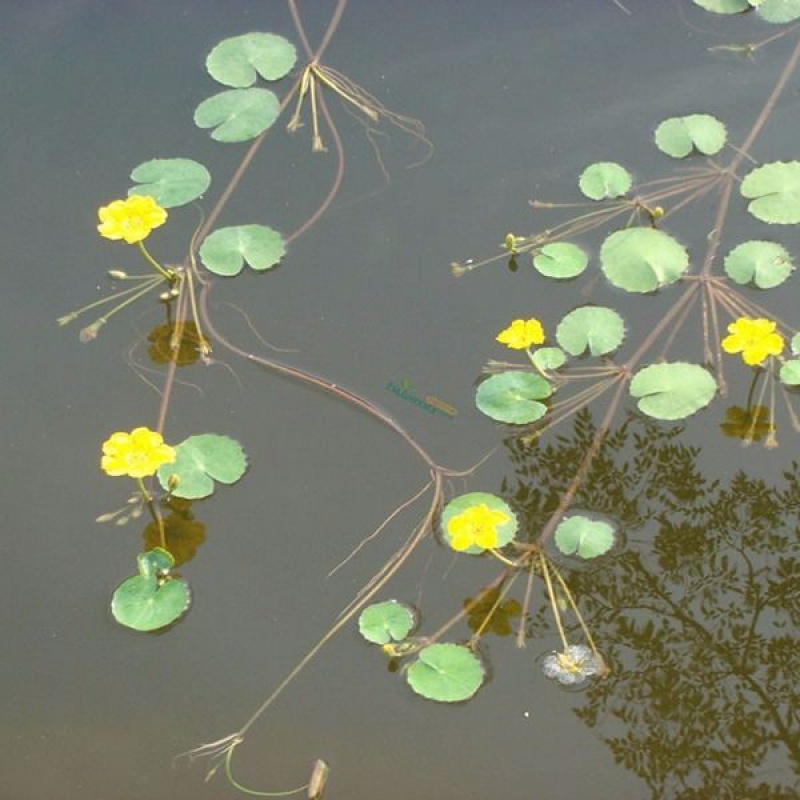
695 611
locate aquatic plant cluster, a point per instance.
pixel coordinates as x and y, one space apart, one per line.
568 368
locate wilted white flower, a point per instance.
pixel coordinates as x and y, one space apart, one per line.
574 665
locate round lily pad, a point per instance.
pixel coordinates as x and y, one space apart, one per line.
549 358
171 182
239 61
678 136
774 190
225 251
673 391
199 461
605 179
790 372
560 260
458 505
585 537
778 11
513 397
446 672
724 6
596 328
385 622
238 114
766 264
152 599
642 259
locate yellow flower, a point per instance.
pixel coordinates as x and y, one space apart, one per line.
755 339
131 219
521 334
477 526
136 454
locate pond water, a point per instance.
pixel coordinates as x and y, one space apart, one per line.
694 609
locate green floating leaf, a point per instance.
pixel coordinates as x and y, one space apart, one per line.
458 505
152 599
513 397
382 623
560 260
597 328
790 372
238 114
673 391
795 344
605 179
549 358
775 192
225 251
677 136
723 6
766 264
199 461
446 672
778 11
642 259
171 182
238 61
583 536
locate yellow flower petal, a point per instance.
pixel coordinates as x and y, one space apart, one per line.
521 334
137 454
755 339
131 219
475 527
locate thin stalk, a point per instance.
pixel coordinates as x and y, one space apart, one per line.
552 596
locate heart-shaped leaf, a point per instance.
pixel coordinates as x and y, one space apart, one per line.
225 251
238 61
386 622
171 182
152 599
723 6
605 179
560 260
549 358
778 11
238 114
642 259
585 537
513 397
775 192
596 328
199 461
790 372
766 264
446 672
678 136
673 391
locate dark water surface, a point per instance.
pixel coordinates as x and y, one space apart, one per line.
517 98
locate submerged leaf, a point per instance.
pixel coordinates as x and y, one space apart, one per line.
583 536
201 460
513 397
504 531
382 623
642 259
677 136
152 599
766 264
238 61
560 260
778 11
596 328
446 672
775 192
673 391
171 182
605 179
238 114
225 251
